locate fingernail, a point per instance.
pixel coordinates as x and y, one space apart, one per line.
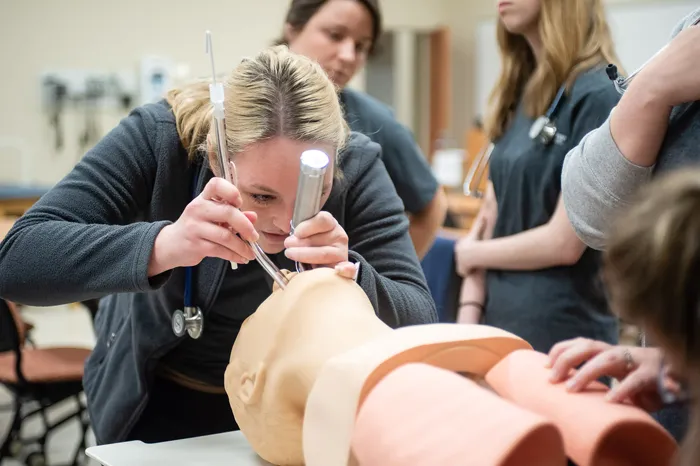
572 384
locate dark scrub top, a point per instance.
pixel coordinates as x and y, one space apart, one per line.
406 164
554 304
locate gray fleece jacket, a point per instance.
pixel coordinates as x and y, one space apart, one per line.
92 235
597 179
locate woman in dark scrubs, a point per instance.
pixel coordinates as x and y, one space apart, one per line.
541 281
340 35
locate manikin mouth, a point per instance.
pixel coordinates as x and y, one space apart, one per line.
288 274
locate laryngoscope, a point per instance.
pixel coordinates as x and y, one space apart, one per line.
312 172
216 95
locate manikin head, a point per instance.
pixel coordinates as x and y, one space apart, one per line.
280 350
338 34
544 44
277 105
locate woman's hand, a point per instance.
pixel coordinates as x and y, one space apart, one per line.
636 368
319 241
672 75
464 246
209 226
348 270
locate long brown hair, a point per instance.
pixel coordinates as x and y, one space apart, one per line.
575 37
652 270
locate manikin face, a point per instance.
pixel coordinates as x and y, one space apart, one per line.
267 175
519 16
338 37
281 348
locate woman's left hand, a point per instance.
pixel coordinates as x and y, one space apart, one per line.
319 241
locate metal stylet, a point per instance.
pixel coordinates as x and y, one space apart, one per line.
216 95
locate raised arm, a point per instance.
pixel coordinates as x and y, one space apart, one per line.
377 228
609 164
80 240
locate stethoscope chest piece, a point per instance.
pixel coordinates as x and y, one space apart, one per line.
190 320
544 130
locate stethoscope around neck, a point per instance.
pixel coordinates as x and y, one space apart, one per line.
189 319
544 130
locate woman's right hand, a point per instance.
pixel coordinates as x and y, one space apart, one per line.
672 75
209 226
636 368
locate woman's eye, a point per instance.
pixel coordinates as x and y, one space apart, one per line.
335 35
262 198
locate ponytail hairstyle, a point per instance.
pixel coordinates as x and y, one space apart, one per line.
275 94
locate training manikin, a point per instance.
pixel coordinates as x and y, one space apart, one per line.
306 360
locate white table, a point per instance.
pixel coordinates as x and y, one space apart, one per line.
227 449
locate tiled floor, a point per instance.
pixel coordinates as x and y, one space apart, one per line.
54 326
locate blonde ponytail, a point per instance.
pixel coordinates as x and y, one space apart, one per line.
193 114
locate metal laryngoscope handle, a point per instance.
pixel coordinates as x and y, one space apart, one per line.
312 172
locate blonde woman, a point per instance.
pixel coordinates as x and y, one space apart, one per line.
542 281
144 204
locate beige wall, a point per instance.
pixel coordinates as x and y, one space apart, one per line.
40 35
106 35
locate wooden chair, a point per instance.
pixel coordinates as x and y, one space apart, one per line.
39 377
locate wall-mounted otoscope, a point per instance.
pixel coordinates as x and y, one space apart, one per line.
312 172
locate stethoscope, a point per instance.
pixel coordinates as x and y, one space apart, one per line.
190 318
544 129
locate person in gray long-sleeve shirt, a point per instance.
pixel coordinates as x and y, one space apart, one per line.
143 205
602 172
654 128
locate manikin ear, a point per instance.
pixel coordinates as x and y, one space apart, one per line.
252 384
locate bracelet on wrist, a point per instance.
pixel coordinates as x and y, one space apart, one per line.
472 303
